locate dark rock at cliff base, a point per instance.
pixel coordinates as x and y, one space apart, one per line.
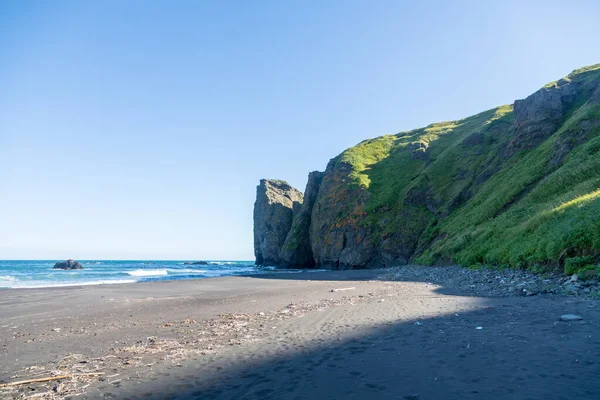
274 209
297 251
69 264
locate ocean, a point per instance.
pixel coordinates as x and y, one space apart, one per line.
37 274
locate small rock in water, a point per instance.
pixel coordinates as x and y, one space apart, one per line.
570 317
69 264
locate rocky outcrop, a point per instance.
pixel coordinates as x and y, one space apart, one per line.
297 250
274 209
69 264
538 116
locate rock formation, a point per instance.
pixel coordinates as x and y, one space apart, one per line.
296 250
538 116
69 264
516 185
274 209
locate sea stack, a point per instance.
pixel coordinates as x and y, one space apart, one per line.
274 209
69 264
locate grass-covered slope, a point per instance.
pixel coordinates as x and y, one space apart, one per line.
516 186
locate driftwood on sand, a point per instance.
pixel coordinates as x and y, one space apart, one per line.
343 289
49 378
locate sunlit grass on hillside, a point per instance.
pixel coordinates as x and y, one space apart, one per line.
394 176
527 216
578 201
585 73
579 75
390 166
370 152
521 211
365 154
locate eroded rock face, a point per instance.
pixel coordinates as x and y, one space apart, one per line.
339 244
69 264
297 250
538 116
274 209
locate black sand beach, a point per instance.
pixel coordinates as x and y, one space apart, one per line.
297 336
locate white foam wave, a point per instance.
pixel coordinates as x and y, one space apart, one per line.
148 272
8 278
38 285
187 271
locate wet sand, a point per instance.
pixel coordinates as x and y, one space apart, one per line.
289 336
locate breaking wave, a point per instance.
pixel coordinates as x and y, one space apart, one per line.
148 272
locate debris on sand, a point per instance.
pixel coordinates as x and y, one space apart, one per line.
192 338
49 378
342 289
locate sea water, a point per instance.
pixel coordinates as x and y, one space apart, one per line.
36 274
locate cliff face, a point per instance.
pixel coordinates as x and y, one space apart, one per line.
517 185
297 251
276 203
538 116
334 244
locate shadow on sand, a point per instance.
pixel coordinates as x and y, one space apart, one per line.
522 352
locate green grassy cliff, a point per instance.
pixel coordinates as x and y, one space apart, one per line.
518 185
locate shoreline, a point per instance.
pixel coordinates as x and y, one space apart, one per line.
206 337
484 281
23 274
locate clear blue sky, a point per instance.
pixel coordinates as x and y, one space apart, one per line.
140 129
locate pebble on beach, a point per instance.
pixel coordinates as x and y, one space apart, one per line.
570 317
